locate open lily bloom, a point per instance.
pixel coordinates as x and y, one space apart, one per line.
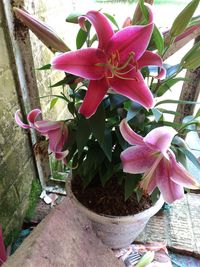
57 132
152 156
115 64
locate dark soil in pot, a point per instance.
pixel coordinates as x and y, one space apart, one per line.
108 200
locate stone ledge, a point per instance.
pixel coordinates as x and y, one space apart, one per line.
64 238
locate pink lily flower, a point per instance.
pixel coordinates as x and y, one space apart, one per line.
57 132
115 64
152 156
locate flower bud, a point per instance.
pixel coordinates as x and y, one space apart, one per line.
127 22
42 31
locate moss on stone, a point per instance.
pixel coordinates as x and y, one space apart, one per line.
33 199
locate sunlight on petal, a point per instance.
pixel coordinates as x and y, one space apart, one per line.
160 138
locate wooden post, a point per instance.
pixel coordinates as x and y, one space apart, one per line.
18 41
190 92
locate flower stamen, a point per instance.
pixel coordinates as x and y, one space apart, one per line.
144 184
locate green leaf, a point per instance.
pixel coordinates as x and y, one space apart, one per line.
89 162
158 40
112 19
82 35
71 107
188 119
180 156
73 86
45 67
133 111
165 86
172 70
62 96
82 134
170 101
81 38
116 100
190 156
73 17
190 125
143 9
59 83
90 165
107 144
170 112
71 144
107 172
155 195
192 59
53 102
197 114
194 21
157 114
97 123
68 79
139 192
182 20
88 178
166 123
131 181
120 139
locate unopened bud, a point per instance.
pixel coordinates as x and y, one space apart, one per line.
42 31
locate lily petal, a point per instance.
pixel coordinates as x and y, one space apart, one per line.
129 135
64 137
170 190
127 22
101 24
94 95
160 138
151 59
180 175
135 89
137 159
46 126
61 155
132 39
87 63
55 138
31 117
19 122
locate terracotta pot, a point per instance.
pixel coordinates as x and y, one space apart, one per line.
117 231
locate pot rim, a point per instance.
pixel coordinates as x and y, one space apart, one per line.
146 214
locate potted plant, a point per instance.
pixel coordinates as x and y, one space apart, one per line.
124 155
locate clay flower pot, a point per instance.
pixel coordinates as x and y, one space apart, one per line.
117 231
